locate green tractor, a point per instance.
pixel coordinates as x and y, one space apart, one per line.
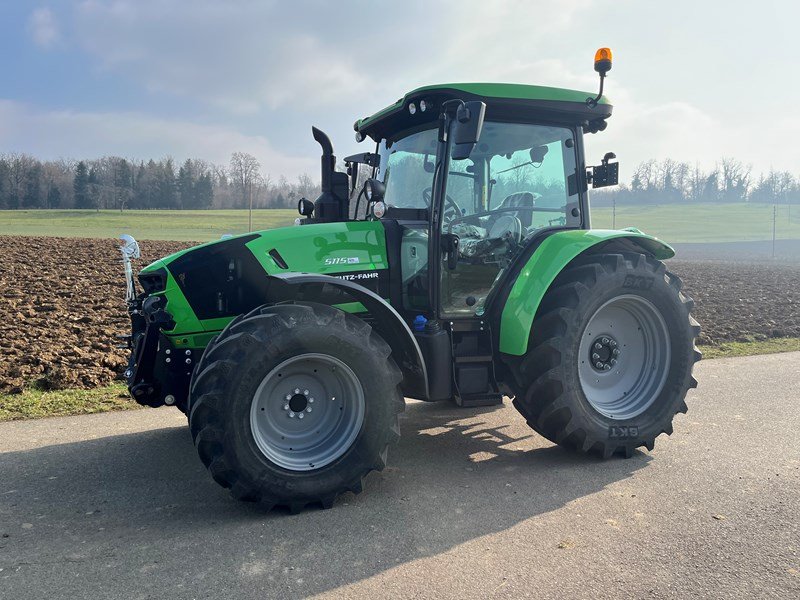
463 267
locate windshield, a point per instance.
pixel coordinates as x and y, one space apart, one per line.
407 169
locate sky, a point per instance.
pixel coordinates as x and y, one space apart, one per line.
692 80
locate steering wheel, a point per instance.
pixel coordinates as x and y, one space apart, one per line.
449 202
506 226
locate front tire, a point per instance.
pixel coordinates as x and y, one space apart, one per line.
611 355
294 404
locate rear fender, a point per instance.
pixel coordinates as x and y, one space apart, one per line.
386 321
548 260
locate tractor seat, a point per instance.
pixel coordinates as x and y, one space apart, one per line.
520 199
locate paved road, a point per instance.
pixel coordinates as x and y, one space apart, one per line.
474 505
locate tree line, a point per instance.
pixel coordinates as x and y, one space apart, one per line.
670 182
113 182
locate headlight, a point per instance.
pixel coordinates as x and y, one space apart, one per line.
374 190
153 281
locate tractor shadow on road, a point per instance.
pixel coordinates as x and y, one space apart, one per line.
457 475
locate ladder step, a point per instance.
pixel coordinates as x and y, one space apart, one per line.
475 400
478 358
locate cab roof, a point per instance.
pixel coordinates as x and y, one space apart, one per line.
509 100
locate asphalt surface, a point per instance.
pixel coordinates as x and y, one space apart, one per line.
474 504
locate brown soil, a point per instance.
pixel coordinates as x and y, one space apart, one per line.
741 302
61 304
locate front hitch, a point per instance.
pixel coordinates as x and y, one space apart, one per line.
140 373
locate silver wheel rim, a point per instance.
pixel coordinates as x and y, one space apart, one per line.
624 357
307 412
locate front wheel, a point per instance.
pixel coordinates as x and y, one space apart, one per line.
611 355
294 404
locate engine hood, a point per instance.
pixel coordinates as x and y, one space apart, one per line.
207 285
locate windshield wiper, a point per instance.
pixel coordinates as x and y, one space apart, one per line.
530 162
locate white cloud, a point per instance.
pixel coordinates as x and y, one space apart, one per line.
69 134
250 56
43 28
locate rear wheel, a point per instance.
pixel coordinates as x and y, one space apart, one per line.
611 355
295 404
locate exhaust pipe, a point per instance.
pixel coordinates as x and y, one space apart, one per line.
328 159
332 202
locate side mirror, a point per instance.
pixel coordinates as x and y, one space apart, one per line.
305 207
538 153
466 128
374 190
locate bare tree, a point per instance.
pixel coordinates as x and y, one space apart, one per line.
735 180
245 174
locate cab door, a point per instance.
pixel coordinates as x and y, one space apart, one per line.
514 183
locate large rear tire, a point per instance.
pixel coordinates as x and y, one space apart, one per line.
294 404
610 357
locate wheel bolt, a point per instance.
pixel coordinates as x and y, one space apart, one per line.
596 356
296 390
308 409
285 407
604 340
598 346
305 392
288 396
598 364
291 415
608 367
616 352
300 416
613 361
310 400
613 344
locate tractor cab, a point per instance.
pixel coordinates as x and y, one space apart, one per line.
458 213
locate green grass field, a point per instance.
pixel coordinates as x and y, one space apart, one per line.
704 222
698 223
192 225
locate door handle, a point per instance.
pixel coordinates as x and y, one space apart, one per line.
450 248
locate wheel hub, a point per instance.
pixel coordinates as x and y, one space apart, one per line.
604 353
624 352
298 402
307 411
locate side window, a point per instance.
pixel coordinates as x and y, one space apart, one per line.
364 172
407 169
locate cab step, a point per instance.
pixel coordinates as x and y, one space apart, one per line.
476 400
